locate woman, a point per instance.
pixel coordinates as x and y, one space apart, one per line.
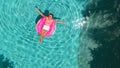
48 22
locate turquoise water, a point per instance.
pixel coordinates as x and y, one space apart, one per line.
19 41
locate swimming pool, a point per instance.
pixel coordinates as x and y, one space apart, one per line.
20 42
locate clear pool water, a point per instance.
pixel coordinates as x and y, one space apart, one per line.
19 41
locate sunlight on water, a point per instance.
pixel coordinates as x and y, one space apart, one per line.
20 42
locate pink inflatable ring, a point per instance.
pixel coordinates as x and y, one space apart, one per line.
40 25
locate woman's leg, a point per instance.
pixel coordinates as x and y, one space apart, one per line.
42 35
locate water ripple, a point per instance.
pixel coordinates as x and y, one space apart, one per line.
20 41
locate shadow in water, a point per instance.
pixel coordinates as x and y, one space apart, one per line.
107 55
5 63
46 13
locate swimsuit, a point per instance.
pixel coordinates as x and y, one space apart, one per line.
46 27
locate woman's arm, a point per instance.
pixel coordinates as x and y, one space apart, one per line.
40 12
60 22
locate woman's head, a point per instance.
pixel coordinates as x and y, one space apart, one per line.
51 15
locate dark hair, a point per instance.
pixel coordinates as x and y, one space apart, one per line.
52 15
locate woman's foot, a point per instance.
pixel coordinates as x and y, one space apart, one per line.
41 40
